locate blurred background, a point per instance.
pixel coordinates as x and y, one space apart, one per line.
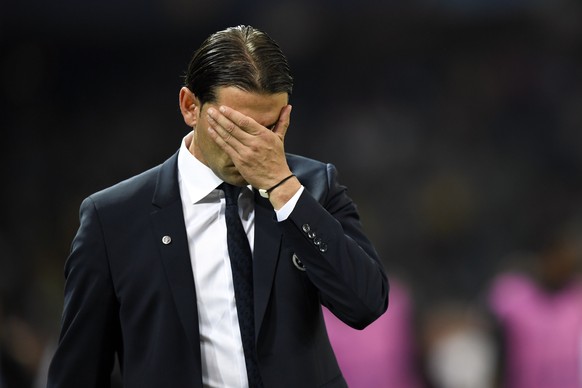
455 124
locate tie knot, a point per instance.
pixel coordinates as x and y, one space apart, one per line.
231 193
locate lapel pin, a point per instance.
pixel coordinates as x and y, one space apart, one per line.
298 264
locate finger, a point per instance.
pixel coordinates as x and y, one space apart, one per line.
283 122
223 127
246 123
225 143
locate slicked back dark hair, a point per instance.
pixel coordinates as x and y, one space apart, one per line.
241 56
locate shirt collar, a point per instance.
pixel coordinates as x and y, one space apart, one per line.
197 178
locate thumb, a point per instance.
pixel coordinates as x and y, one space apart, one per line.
283 122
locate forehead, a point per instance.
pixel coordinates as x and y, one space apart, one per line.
263 108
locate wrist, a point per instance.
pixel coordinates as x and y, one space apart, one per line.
281 194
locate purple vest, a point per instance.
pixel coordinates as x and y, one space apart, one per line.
543 332
381 354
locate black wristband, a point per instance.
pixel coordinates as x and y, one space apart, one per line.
265 193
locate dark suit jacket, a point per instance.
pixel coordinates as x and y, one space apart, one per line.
128 292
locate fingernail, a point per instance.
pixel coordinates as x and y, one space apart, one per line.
210 111
222 109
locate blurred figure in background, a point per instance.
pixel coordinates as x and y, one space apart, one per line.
539 313
12 373
384 353
23 352
458 349
22 337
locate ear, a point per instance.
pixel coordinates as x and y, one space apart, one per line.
189 106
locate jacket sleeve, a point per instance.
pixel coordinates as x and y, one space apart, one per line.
89 331
340 261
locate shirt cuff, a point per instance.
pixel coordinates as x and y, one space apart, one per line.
285 211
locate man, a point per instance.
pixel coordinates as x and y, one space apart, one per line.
154 277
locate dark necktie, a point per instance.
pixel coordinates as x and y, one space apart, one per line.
241 262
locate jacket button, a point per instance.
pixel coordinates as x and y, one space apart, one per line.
323 247
311 235
166 240
306 228
317 241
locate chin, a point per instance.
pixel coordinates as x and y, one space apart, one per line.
234 179
238 181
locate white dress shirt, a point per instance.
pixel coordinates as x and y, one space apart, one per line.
223 363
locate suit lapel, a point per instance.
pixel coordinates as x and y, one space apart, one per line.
170 231
168 220
265 257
